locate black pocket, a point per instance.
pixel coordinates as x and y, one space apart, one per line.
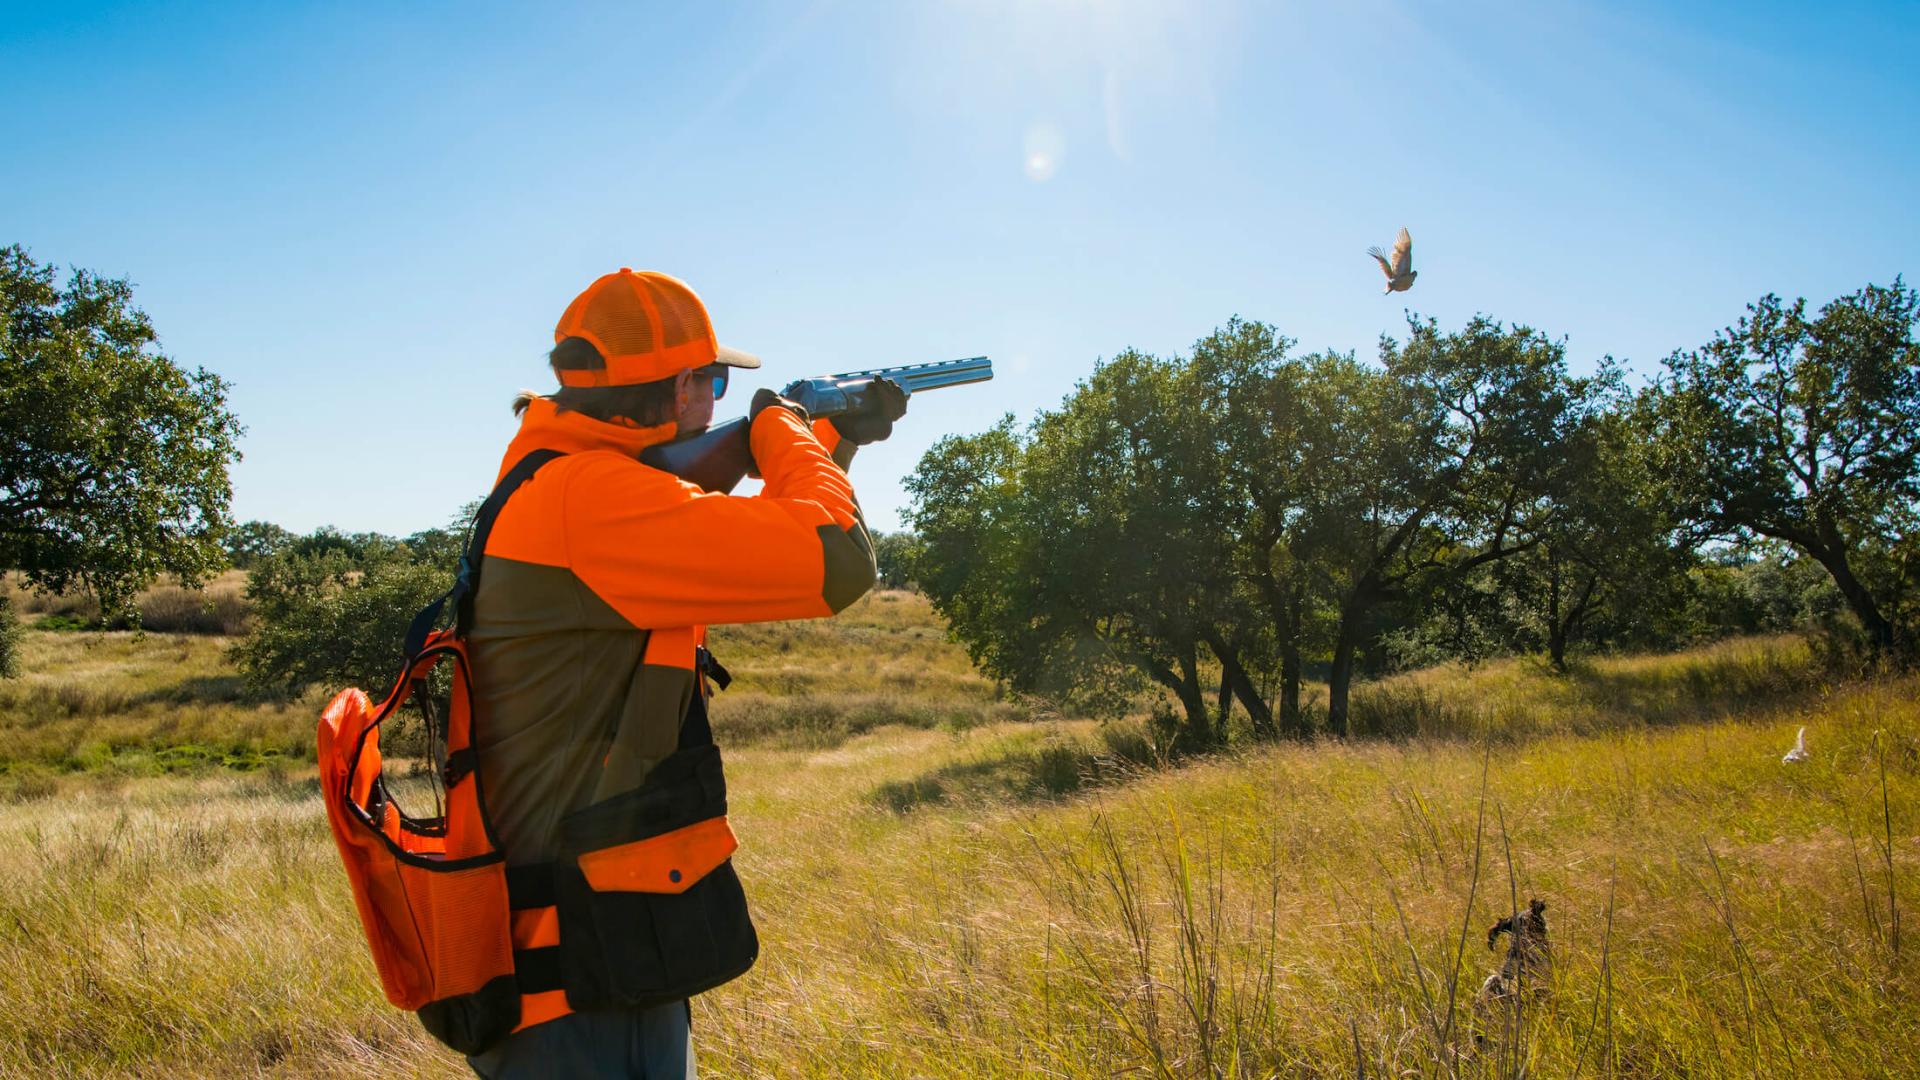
472 1023
631 949
644 944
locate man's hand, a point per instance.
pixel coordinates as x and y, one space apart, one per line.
767 399
885 403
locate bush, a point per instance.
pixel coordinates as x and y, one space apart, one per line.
328 617
170 609
27 783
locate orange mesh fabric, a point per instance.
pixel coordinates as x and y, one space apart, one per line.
617 320
461 919
436 931
648 326
682 318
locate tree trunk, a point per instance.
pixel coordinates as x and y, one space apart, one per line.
1234 677
1186 687
1289 626
1563 630
1290 722
1284 602
1339 680
1191 699
1879 630
1556 633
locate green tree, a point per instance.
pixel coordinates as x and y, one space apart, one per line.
1243 404
1442 460
1232 512
1119 482
1806 430
987 568
893 555
250 542
113 459
1610 556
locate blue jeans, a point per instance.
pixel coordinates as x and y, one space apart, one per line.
649 1044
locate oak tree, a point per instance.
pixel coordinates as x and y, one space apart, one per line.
113 458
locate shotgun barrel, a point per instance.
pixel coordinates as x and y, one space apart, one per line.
719 457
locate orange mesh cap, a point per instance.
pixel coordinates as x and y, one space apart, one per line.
647 326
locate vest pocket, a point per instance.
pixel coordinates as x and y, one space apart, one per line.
650 909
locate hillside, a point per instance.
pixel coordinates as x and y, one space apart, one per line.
947 886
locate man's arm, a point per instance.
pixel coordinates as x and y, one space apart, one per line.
663 556
841 449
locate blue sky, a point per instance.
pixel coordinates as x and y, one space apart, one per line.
369 216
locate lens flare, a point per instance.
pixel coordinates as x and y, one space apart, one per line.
1044 150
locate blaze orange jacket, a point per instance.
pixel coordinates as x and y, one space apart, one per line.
597 583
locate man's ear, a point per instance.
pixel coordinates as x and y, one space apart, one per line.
682 392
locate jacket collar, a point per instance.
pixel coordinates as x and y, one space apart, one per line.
545 426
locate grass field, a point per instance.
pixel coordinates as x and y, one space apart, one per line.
949 886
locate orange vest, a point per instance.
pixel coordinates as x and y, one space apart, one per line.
641 906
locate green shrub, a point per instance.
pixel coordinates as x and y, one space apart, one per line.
9 640
27 783
332 618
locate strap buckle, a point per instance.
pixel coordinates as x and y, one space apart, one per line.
711 668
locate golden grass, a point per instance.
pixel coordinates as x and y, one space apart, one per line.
219 606
932 905
1523 698
884 661
129 704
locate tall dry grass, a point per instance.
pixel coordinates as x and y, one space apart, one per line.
126 705
1296 911
955 896
1522 698
219 606
885 661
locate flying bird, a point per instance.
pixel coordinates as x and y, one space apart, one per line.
1799 751
1400 272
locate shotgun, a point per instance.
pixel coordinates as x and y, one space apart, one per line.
718 457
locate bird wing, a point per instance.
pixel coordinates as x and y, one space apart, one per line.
1402 254
1381 257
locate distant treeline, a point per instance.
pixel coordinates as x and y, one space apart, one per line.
1227 523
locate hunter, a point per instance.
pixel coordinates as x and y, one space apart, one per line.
597 583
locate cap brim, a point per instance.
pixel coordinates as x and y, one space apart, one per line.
736 358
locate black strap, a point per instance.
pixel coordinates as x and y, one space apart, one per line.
467 580
538 970
530 885
695 729
460 764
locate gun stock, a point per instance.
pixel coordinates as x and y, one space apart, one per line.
718 458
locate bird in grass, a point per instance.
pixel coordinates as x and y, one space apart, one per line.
1399 271
1799 751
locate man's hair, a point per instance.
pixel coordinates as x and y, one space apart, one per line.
645 404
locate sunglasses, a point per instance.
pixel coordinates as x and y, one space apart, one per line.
718 373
